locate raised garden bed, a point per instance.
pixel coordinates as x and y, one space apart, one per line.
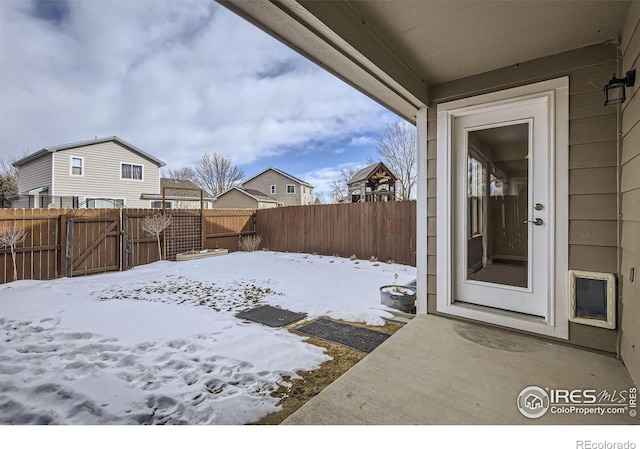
190 255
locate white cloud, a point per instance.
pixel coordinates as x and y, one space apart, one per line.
322 177
362 141
174 78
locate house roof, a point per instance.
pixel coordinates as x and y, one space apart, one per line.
367 171
293 178
177 183
255 194
395 52
84 143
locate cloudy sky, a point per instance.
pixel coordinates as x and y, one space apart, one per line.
176 79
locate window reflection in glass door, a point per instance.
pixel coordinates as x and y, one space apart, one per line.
497 205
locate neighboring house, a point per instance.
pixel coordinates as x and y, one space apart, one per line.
281 186
178 194
100 173
372 184
524 174
240 198
269 188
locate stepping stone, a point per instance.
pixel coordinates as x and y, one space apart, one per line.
358 338
271 316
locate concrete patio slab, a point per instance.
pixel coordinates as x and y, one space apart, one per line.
441 371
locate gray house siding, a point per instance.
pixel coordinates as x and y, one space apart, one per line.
592 162
35 174
234 199
102 174
264 182
630 200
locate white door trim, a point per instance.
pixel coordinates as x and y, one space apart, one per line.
422 231
556 323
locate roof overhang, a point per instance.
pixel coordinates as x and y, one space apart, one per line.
394 50
244 192
158 196
85 143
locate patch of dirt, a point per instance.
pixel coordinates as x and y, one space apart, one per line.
313 382
232 297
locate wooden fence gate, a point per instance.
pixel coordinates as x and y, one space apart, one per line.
94 244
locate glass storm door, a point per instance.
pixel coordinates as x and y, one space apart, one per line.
501 199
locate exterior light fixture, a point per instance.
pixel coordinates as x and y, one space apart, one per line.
614 92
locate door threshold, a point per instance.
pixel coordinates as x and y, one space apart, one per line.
505 318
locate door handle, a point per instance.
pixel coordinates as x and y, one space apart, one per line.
537 221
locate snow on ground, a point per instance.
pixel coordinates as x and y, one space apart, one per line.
160 343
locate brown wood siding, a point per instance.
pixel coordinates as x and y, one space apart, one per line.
384 230
630 200
593 172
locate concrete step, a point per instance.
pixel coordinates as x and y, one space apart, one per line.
399 317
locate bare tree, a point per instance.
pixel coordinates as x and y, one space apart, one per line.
397 146
215 173
339 188
10 236
9 175
320 198
154 225
187 173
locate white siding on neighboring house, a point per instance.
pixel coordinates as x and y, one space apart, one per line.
35 174
306 195
102 174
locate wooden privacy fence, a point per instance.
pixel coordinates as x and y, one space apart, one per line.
39 255
386 230
73 242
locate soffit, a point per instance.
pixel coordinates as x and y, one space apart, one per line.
448 40
393 50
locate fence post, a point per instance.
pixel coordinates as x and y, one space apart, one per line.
121 244
69 248
62 246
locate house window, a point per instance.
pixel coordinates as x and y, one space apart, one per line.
291 188
304 189
77 166
158 204
273 190
131 171
476 175
104 203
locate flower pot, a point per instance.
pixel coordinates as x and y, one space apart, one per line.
398 297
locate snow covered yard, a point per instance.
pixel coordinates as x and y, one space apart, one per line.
160 343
